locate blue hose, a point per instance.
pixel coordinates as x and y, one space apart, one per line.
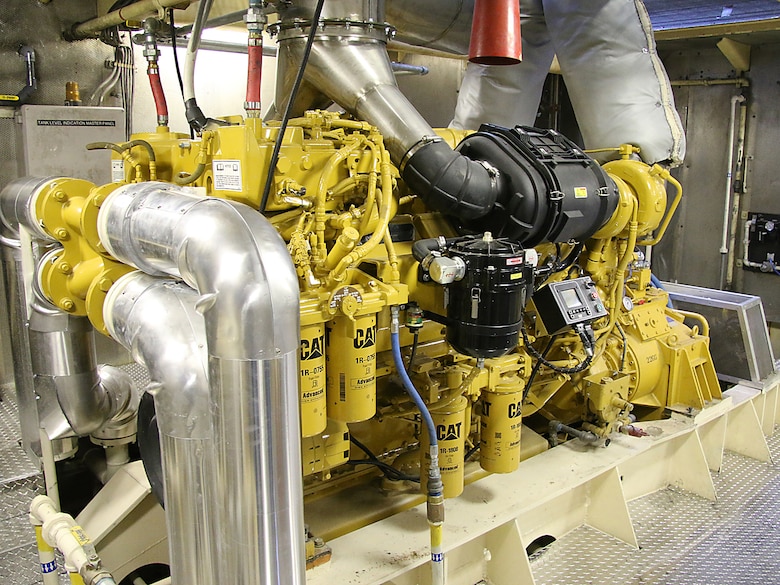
657 284
412 391
434 475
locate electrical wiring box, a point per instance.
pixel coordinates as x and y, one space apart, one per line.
763 243
52 140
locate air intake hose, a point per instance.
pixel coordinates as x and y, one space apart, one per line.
448 181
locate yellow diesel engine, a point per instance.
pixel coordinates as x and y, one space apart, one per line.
499 324
339 297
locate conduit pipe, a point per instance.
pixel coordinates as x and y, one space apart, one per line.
61 531
194 114
724 241
349 65
156 320
136 11
248 291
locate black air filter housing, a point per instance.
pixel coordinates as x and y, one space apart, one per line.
549 189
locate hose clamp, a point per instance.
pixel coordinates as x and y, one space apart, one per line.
422 143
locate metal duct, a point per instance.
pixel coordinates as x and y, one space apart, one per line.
65 365
349 65
59 385
248 290
156 320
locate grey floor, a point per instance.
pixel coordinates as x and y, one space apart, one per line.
20 482
684 539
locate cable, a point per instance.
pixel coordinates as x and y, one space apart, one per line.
535 353
415 343
315 20
388 470
176 62
537 366
470 453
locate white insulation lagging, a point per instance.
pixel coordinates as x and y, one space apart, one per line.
617 84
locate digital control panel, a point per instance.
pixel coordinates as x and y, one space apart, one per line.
563 304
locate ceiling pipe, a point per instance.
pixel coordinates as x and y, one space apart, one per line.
136 11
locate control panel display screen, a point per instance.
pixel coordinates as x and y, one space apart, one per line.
571 298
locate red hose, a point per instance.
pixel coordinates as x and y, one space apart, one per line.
254 73
157 92
495 33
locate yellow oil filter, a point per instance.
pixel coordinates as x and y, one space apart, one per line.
451 431
500 427
351 371
313 402
326 450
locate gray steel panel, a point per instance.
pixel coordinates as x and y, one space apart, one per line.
52 141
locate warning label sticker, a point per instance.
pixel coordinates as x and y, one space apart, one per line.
108 123
117 171
227 175
580 192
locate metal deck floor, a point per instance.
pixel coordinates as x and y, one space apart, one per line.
20 482
684 539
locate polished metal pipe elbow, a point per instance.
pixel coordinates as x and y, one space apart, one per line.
155 319
248 296
93 399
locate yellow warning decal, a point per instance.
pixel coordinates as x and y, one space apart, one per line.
580 192
80 536
9 98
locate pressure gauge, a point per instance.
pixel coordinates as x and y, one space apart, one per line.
628 304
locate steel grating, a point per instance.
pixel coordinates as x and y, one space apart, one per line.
684 539
20 482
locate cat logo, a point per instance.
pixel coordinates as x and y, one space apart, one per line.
448 432
515 409
311 349
365 337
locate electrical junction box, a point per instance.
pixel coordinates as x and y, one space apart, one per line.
763 242
561 305
51 141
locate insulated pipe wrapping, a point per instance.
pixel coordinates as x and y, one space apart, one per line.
156 320
248 296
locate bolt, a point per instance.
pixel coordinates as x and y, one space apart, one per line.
67 304
60 196
61 234
64 267
105 284
318 542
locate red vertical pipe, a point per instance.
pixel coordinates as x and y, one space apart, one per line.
254 73
495 33
159 96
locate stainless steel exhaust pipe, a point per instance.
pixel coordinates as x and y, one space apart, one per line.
349 65
248 291
65 365
156 320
